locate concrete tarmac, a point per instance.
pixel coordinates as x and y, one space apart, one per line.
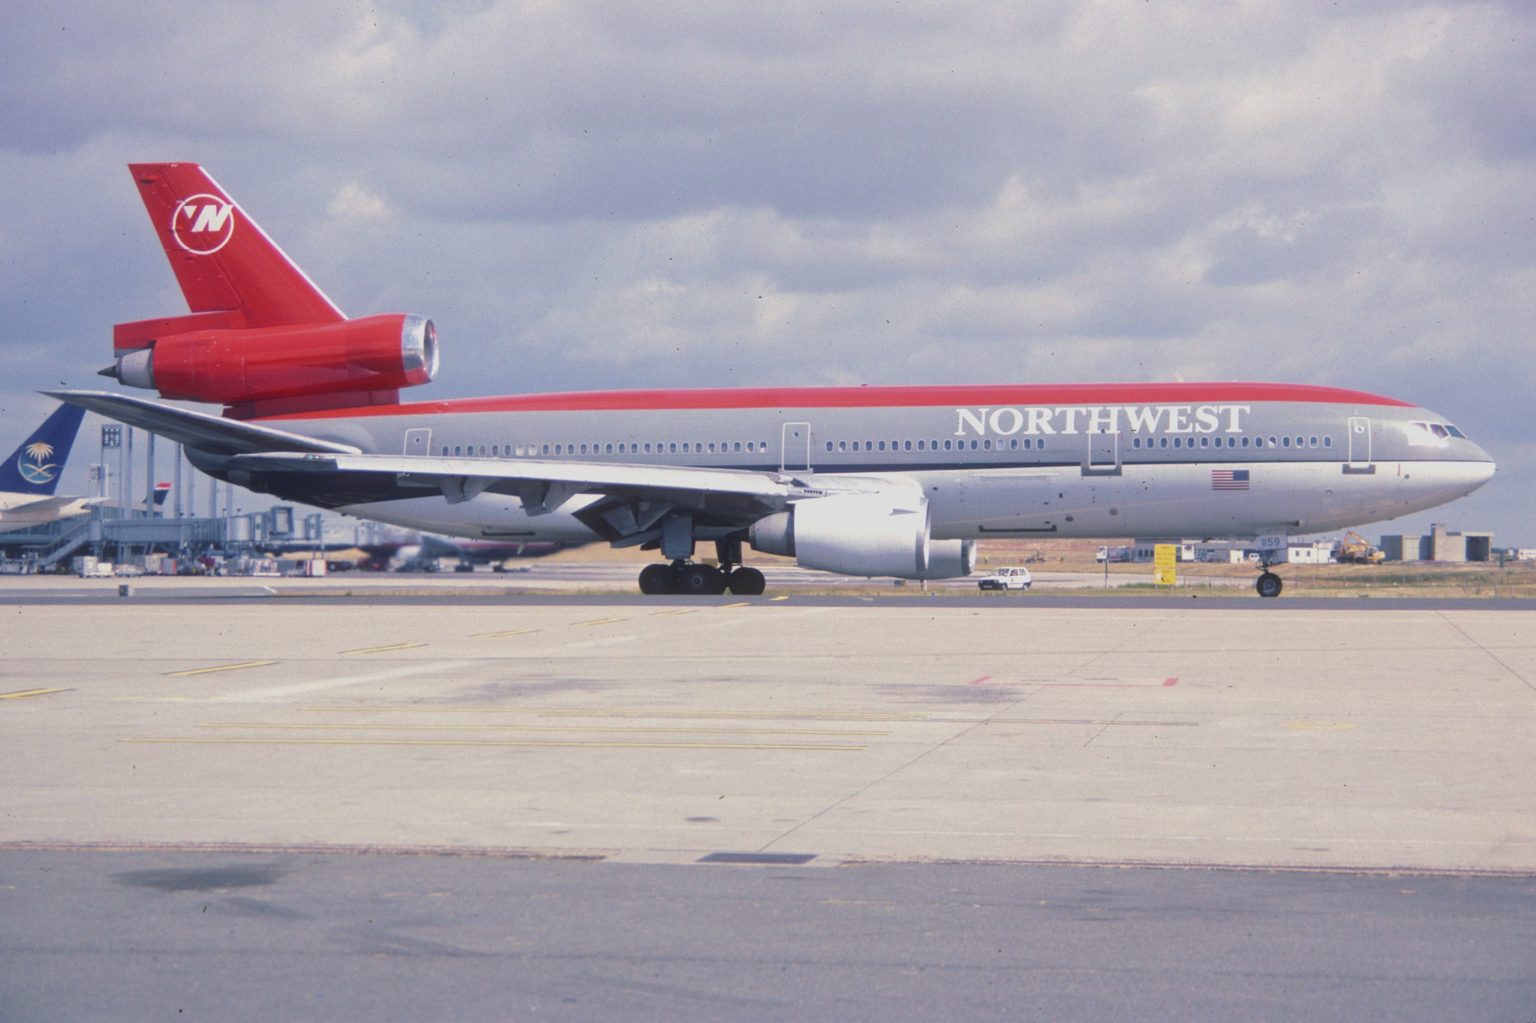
665 731
1371 752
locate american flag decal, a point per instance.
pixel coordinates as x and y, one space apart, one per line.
1229 479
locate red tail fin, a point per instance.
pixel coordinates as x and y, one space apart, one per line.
225 263
261 337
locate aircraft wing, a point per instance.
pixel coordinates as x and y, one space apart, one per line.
628 501
43 509
213 434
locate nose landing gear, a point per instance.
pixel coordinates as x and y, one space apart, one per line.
1268 584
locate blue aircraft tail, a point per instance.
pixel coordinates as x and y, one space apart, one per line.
35 466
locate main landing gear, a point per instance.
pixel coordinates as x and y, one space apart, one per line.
693 579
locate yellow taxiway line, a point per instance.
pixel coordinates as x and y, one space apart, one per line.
22 694
384 649
323 726
510 743
658 713
218 667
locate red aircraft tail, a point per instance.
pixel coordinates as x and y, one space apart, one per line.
226 265
261 337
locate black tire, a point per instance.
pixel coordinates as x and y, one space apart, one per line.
747 582
658 579
1268 585
701 581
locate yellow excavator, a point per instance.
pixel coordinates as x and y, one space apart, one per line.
1357 550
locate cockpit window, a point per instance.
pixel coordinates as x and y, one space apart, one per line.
1426 435
1455 432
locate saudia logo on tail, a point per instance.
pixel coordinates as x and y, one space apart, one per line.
203 224
1035 420
34 465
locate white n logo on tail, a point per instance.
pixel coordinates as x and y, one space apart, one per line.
203 224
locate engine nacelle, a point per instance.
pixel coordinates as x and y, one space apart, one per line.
951 559
879 534
245 365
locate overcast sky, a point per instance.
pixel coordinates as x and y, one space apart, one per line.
593 195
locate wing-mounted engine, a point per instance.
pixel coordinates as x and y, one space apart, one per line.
347 362
882 533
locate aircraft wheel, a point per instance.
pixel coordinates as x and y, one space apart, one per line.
1268 585
701 580
747 582
658 579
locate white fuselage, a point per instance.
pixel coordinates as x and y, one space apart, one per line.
1028 461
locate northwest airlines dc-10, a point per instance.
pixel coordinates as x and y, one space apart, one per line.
863 481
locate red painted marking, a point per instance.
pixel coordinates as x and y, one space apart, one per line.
983 680
1108 685
867 397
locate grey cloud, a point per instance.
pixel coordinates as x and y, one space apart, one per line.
590 195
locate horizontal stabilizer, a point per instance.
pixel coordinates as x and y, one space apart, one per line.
196 429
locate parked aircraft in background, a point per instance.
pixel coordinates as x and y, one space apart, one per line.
865 481
469 553
30 476
421 552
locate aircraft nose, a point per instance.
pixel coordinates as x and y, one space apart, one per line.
1478 470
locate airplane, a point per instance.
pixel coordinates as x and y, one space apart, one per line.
469 553
864 481
30 476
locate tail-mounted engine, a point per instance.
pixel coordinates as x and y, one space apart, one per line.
261 370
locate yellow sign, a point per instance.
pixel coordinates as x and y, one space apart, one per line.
1165 557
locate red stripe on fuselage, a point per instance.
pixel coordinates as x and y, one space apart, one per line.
868 397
